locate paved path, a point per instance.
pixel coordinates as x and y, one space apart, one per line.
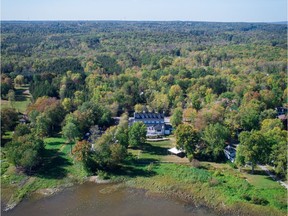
273 176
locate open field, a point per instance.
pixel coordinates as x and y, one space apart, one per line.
21 100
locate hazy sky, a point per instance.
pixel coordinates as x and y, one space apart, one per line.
193 10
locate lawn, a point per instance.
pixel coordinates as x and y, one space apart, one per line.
158 151
21 100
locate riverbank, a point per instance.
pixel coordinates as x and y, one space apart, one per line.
217 186
223 191
59 170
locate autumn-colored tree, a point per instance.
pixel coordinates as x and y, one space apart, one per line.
189 115
81 150
19 80
138 108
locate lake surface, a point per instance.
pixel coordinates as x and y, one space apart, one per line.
91 199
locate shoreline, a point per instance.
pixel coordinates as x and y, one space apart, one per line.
165 185
180 195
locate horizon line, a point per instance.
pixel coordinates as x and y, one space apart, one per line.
122 20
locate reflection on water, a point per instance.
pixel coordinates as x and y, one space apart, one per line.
104 200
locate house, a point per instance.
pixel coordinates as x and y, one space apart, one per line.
155 123
282 115
230 153
281 111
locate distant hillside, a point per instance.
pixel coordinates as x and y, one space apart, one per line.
280 23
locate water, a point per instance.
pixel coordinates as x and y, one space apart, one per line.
91 199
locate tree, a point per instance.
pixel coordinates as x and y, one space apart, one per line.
279 158
269 124
253 147
11 97
249 115
277 142
25 152
79 97
42 125
81 150
160 102
51 111
71 132
137 134
122 131
139 108
9 119
19 80
108 152
214 136
21 130
187 138
175 95
176 118
67 104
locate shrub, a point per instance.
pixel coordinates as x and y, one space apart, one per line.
246 197
103 175
259 201
217 173
150 167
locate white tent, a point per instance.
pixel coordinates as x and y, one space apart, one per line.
176 151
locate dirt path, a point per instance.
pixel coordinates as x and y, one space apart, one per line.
273 176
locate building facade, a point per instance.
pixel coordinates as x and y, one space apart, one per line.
154 122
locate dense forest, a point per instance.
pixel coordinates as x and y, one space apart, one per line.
219 82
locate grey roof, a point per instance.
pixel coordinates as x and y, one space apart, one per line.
148 115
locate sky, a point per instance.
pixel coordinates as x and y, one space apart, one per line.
160 10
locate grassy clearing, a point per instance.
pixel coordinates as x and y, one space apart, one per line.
157 151
21 100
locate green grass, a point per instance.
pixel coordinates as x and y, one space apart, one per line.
153 150
21 101
213 187
215 184
54 142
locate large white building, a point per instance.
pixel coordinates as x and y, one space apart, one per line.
155 122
